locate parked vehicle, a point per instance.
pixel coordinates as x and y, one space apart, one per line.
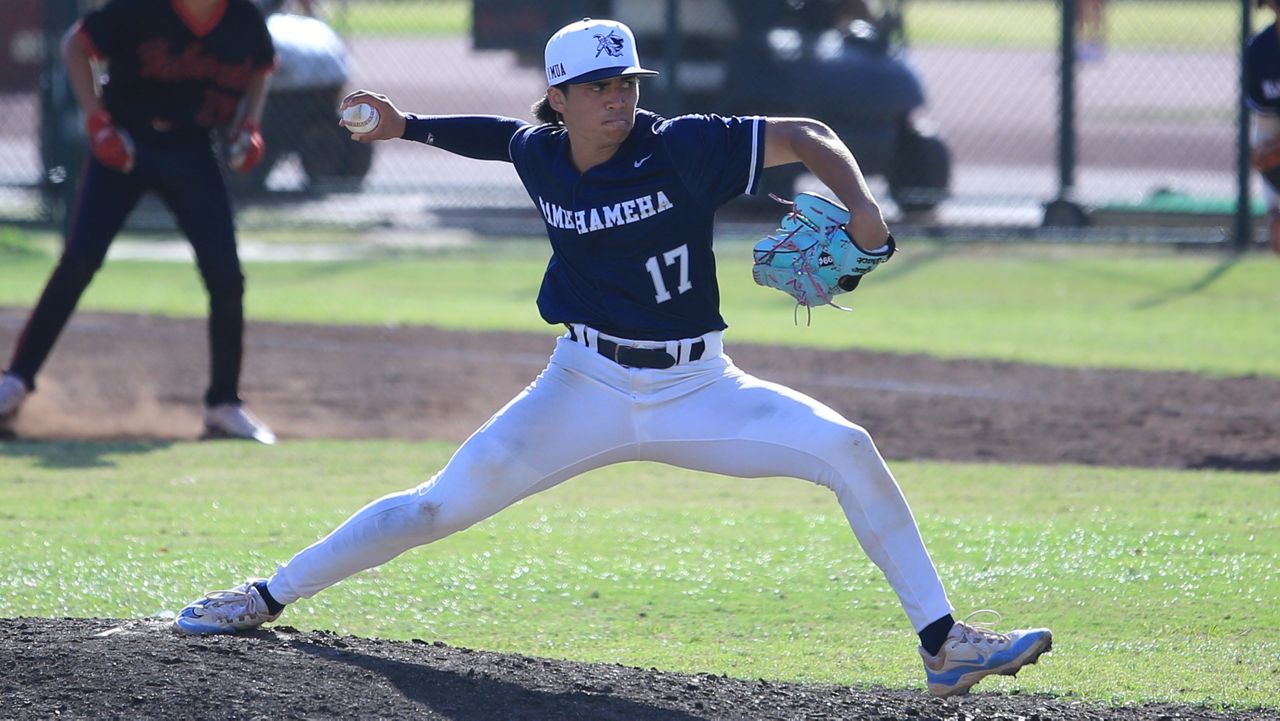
301 117
840 61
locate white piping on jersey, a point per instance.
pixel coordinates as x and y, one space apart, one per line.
605 216
755 149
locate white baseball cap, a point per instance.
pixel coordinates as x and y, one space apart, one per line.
591 50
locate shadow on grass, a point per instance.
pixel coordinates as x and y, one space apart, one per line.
1208 279
76 454
1266 464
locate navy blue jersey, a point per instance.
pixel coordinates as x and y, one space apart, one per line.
630 238
171 78
1262 67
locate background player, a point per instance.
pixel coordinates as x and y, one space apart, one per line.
1262 66
177 70
629 200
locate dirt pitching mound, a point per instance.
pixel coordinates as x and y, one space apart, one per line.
77 668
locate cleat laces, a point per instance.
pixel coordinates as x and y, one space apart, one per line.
234 604
975 632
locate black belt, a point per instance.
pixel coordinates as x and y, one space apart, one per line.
632 357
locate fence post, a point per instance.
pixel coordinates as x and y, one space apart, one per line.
61 148
672 50
1242 236
1063 210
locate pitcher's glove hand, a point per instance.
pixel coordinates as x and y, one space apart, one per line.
1266 160
811 256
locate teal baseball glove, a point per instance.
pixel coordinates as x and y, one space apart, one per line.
811 256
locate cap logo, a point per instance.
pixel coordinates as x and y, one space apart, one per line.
568 57
609 44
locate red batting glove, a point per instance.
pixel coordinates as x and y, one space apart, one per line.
246 148
110 145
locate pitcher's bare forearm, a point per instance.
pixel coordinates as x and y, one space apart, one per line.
801 140
80 74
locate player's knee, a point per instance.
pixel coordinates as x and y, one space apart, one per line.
440 507
412 518
224 286
850 455
228 281
843 444
416 519
78 268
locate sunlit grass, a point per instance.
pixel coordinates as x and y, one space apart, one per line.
648 565
1134 24
402 17
1073 306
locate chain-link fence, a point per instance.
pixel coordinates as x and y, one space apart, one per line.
956 109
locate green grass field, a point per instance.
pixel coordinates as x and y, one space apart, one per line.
403 17
1159 584
1131 24
1074 306
1187 24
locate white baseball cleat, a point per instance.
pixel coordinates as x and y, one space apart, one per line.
232 420
974 651
12 392
239 609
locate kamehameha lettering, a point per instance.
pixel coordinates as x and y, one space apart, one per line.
606 216
610 44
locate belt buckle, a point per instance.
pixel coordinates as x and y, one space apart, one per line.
617 349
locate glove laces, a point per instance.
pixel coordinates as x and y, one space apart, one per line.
783 242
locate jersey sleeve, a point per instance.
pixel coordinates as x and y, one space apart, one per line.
264 54
103 29
483 137
718 157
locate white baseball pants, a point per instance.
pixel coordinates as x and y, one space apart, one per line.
585 411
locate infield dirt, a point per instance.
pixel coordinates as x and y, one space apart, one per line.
133 377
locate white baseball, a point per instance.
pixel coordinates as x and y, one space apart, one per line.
361 118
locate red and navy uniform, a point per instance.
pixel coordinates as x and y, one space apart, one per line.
171 80
631 237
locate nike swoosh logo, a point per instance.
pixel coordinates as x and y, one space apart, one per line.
640 162
979 660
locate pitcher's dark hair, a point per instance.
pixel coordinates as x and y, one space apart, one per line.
542 110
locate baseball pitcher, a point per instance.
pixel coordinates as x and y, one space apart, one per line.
628 199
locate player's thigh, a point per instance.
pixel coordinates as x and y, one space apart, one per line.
744 426
196 193
103 203
561 425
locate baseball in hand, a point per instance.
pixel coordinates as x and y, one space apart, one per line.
361 118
